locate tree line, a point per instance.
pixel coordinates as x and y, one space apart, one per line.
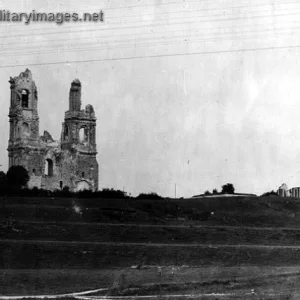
226 189
14 183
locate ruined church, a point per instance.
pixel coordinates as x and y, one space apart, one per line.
71 161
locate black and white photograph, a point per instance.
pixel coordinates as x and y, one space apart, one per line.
149 149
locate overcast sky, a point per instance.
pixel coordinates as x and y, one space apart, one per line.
197 93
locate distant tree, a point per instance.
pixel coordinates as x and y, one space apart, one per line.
271 193
35 191
227 189
2 178
148 196
85 194
17 176
3 183
207 193
111 193
65 192
215 191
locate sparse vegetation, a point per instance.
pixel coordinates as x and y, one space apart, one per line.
3 183
227 189
17 177
215 191
271 193
148 196
112 237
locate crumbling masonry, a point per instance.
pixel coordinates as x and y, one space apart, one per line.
52 164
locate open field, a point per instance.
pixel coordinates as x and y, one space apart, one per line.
217 248
149 281
237 211
139 233
53 254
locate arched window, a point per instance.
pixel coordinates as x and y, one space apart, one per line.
66 132
24 98
82 136
92 136
25 128
49 167
33 171
82 174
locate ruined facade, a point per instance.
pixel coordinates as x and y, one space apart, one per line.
52 164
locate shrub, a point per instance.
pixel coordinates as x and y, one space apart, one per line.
3 183
148 196
17 176
227 189
271 193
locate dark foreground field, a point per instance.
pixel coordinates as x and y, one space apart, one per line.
230 248
243 280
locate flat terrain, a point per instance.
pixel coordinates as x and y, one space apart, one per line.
171 280
229 248
139 233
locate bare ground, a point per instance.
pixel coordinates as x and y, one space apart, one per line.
153 280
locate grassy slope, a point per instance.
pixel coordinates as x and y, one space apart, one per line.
260 211
166 234
71 260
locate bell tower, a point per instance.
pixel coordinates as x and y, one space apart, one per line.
79 128
79 138
23 116
52 164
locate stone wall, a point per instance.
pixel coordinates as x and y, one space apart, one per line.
35 181
53 164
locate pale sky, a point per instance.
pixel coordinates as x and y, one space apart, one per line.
197 93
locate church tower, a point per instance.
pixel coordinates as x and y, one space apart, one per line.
79 137
51 164
79 128
23 118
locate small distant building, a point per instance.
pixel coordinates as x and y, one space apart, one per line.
295 192
284 191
